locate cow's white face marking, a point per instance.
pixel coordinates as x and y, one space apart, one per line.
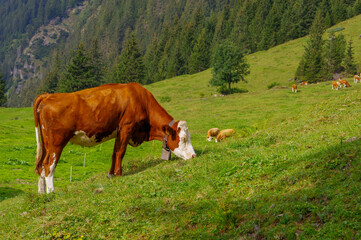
209 138
81 138
185 149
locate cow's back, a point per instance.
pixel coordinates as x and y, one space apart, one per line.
95 111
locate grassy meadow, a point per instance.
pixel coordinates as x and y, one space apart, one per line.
292 171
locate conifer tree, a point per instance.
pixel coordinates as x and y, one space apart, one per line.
51 81
151 60
335 52
229 65
349 63
2 91
357 7
130 67
313 66
79 73
96 59
199 59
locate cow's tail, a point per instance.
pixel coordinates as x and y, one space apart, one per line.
38 132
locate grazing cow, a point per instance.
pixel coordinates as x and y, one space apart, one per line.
344 83
224 134
335 85
304 83
127 112
211 133
294 88
356 79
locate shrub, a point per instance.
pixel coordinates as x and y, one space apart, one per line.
225 91
272 85
164 99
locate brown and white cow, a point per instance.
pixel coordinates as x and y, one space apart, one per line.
356 79
294 88
335 85
344 83
224 134
127 112
211 133
304 83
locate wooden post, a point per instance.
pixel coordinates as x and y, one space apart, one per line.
71 172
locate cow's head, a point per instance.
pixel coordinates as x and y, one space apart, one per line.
179 140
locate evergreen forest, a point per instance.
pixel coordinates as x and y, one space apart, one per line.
40 40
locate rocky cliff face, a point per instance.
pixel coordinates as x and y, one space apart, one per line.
32 60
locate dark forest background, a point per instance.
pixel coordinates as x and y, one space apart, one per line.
43 42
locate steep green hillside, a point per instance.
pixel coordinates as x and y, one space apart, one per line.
289 172
175 38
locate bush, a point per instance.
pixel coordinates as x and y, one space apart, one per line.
272 85
164 99
225 91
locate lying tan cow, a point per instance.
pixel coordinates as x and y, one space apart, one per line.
127 112
211 133
294 88
224 134
304 83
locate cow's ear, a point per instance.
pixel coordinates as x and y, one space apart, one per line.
169 131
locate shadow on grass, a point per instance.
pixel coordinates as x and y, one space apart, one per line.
134 167
7 192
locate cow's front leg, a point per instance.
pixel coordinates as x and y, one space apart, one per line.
120 147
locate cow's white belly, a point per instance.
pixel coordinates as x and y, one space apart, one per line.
81 138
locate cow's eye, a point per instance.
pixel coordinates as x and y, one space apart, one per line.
183 139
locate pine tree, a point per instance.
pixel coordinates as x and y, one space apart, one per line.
96 59
2 91
357 7
229 65
51 81
130 67
349 63
79 73
313 67
338 11
199 59
151 60
335 52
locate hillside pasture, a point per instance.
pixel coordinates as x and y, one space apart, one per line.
288 172
292 170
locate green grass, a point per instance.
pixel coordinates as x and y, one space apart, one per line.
288 173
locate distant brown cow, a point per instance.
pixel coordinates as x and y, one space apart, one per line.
127 112
224 134
344 83
294 88
335 85
304 83
356 79
211 133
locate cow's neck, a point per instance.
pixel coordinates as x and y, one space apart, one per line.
158 118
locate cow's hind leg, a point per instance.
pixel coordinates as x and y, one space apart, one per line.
48 169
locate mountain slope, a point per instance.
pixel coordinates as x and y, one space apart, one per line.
170 29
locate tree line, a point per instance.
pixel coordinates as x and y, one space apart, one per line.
172 38
324 58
